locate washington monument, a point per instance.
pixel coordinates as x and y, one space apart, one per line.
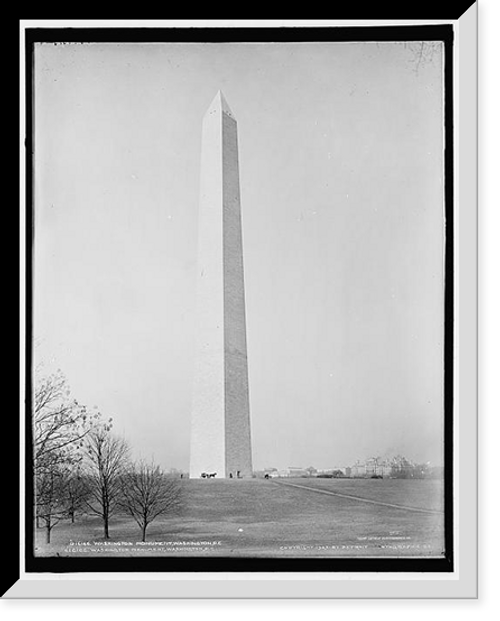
220 423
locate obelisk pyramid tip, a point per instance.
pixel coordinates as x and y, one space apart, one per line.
219 104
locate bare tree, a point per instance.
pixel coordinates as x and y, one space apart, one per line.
61 492
59 427
51 496
76 493
59 422
104 464
148 493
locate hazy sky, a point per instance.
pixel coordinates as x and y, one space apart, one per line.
341 158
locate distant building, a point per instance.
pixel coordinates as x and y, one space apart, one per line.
358 470
294 471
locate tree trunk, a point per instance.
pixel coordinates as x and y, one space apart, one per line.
144 532
106 528
48 530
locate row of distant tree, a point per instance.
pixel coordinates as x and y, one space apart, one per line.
398 467
403 468
81 467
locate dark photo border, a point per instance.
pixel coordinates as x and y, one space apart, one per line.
440 32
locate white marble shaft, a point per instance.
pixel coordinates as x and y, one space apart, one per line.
220 424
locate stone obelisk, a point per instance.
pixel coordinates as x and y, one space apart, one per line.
220 421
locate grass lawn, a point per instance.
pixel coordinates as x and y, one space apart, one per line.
264 518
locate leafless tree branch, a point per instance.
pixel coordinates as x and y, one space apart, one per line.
104 462
148 493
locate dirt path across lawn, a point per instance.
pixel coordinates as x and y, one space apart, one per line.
374 502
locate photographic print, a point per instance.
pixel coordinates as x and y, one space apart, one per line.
240 346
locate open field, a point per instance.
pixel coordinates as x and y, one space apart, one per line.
273 518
